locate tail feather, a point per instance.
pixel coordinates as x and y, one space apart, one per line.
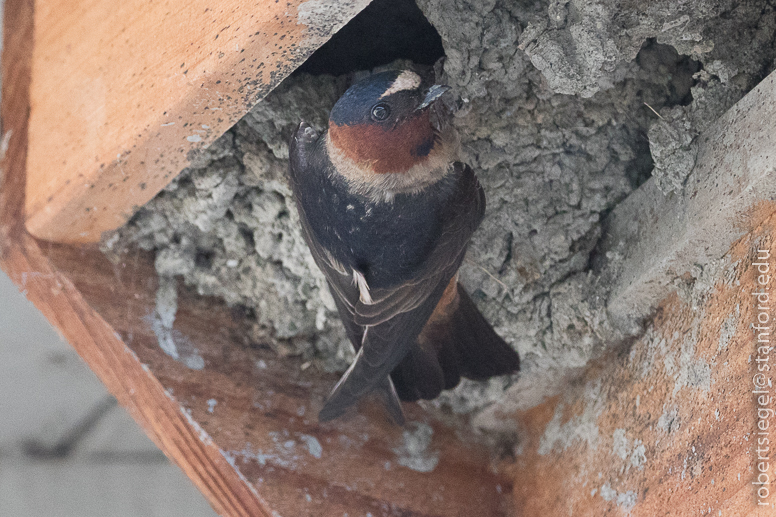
482 353
386 391
460 344
418 376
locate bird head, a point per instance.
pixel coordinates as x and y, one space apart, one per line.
388 124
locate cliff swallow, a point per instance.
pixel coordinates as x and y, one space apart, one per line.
388 211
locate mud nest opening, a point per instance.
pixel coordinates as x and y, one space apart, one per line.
386 30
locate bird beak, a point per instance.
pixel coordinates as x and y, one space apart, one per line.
433 94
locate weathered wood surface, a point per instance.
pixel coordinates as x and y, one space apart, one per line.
260 410
668 425
124 94
56 297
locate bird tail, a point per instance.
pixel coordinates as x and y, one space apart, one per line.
385 390
456 342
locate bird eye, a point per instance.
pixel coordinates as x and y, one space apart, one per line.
381 112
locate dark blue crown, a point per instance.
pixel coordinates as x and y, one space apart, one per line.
354 106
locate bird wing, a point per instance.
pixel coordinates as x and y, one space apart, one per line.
344 291
387 326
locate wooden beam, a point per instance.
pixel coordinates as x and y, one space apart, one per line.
259 410
54 295
668 425
123 95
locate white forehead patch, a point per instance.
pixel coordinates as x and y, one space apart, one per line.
407 80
